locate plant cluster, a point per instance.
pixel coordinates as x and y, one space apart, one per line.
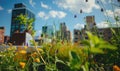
59 56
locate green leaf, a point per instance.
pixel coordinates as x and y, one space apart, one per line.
96 50
86 42
108 46
75 61
73 55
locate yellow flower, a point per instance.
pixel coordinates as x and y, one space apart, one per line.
9 49
25 47
34 54
9 44
22 64
116 68
22 52
39 49
37 60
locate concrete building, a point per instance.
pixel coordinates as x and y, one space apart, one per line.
2 31
69 36
106 33
90 22
64 33
6 39
63 30
22 39
77 35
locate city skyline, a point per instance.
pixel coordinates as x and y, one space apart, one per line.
57 11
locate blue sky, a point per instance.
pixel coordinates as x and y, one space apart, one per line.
57 11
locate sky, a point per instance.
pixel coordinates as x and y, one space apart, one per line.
57 11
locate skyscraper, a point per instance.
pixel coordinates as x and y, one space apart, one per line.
65 34
48 31
63 29
90 20
18 9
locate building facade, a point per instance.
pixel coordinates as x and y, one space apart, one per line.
6 39
18 9
64 33
77 35
48 31
106 33
63 29
90 22
2 31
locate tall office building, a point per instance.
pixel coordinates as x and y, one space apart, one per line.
90 26
77 35
64 33
90 20
48 31
63 29
18 9
2 30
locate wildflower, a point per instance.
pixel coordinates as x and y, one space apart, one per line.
9 49
39 49
22 64
25 47
22 52
116 68
37 60
34 54
9 44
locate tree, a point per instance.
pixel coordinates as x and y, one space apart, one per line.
26 21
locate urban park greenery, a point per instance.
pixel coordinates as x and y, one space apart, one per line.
95 54
59 56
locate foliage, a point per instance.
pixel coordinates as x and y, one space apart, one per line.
24 20
59 56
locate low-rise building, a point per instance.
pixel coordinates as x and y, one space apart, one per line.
21 39
6 39
2 31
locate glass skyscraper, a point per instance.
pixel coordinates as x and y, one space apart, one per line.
48 31
18 9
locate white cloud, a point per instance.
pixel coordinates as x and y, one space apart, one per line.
43 15
79 26
52 14
9 10
32 3
114 24
102 24
1 8
117 12
45 6
77 5
58 14
104 1
111 13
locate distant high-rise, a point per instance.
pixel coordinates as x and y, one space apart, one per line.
90 20
18 9
64 33
48 31
2 30
63 29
